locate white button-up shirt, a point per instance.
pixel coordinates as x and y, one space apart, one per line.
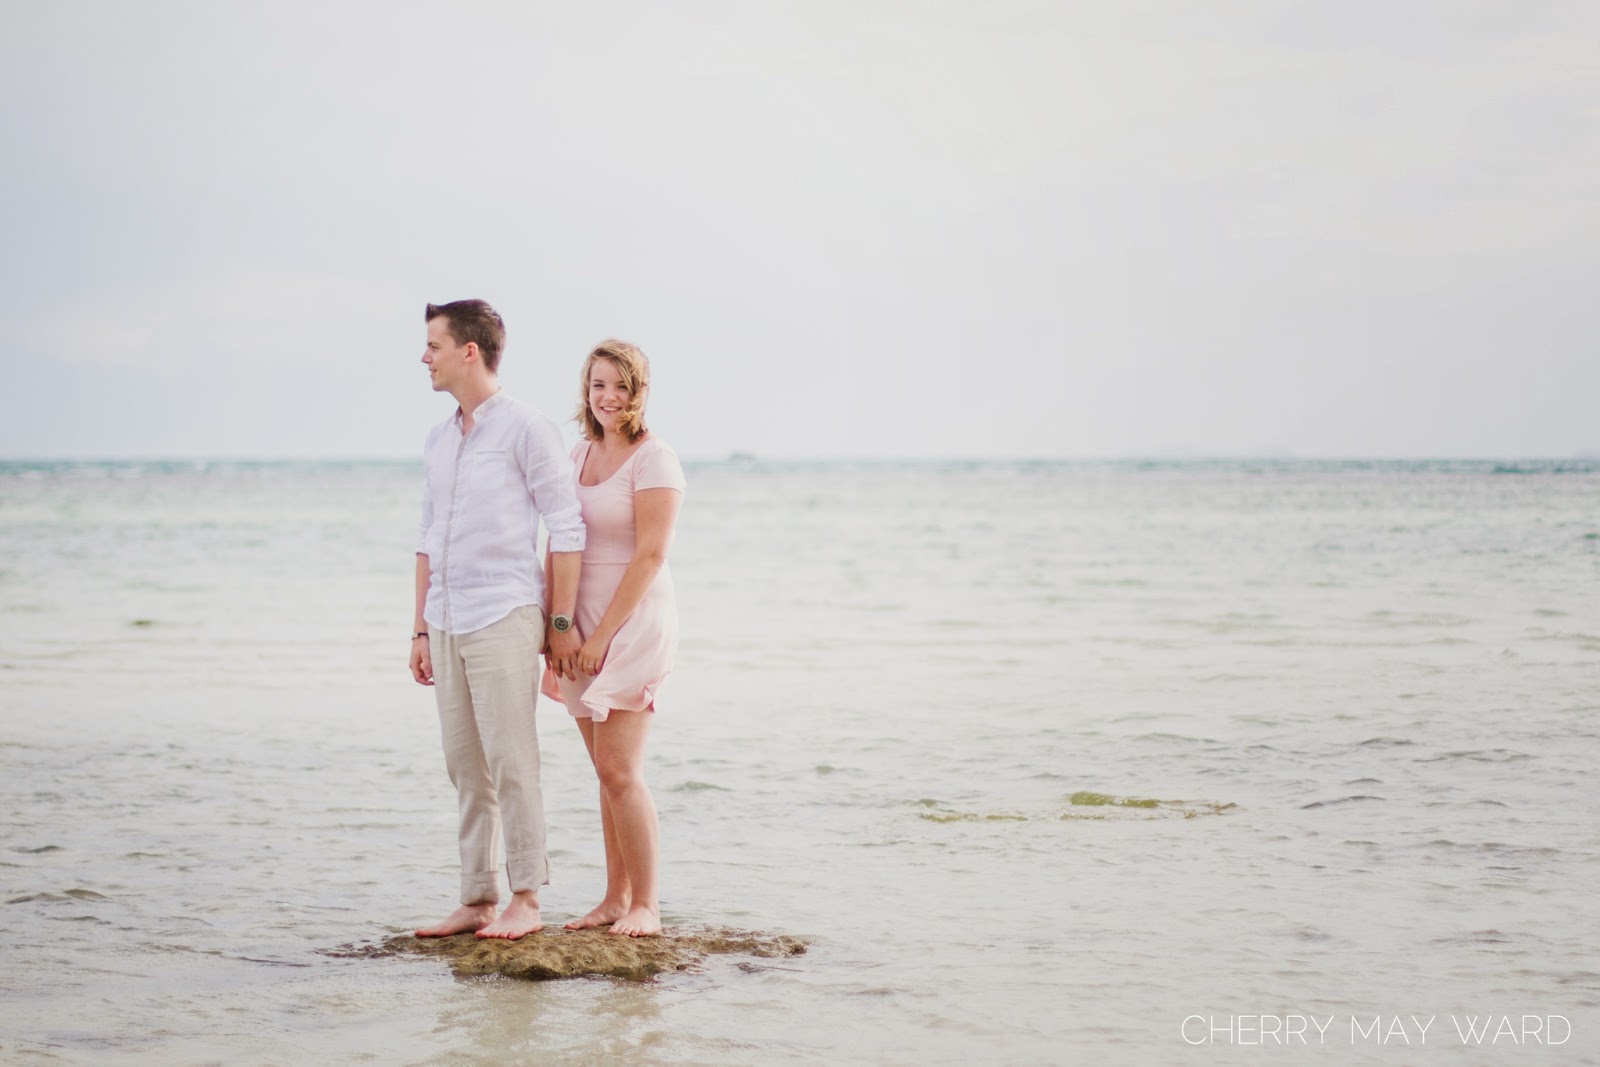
483 494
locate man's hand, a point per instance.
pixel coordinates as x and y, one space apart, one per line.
561 651
421 661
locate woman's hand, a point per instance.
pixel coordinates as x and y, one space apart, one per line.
592 656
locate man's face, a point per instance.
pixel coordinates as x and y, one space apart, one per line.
445 360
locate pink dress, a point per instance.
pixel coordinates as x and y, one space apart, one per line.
642 654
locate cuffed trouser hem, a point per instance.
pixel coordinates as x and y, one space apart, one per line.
480 888
528 868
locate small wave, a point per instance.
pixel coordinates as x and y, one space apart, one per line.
1385 742
1582 640
1400 619
1488 937
1163 736
1493 848
1580 978
693 786
40 849
1339 800
1493 755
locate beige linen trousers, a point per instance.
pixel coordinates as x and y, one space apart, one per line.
486 684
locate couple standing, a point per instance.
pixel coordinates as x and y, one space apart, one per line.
491 471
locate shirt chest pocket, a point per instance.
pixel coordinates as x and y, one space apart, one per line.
488 468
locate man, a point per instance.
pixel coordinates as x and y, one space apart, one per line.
490 471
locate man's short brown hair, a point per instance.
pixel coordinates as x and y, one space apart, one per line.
473 322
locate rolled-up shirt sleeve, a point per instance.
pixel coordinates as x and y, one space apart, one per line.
553 485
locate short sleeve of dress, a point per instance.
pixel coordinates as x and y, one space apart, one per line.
658 468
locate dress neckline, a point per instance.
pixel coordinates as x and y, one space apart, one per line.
589 445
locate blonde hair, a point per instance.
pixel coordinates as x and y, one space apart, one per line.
634 368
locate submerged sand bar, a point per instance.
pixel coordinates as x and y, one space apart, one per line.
558 953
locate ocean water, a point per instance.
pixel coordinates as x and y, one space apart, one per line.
1111 763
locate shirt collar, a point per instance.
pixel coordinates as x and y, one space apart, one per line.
499 397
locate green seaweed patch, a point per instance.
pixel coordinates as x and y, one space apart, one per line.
1157 809
971 816
1084 798
1085 805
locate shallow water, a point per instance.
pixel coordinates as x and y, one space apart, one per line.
1362 696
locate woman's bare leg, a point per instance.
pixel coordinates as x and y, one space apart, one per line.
618 754
619 896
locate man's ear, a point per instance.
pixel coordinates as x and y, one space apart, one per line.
472 351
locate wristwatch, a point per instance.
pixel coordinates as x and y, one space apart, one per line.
561 623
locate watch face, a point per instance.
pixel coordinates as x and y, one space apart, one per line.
562 623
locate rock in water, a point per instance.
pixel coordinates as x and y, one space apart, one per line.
559 953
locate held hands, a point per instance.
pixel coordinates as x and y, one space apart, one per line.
561 652
421 661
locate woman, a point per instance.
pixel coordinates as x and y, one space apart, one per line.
630 487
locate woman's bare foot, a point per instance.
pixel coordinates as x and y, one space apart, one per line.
465 918
520 918
639 922
605 913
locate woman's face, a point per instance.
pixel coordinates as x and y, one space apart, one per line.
608 396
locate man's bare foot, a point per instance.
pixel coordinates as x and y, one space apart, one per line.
465 918
520 918
604 914
639 922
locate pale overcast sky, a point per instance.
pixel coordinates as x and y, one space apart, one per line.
913 228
